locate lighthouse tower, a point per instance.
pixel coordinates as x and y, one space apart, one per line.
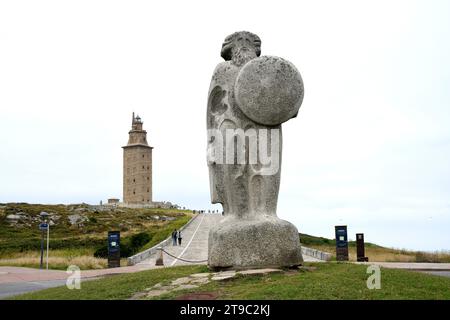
137 166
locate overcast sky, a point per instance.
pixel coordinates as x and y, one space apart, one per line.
370 147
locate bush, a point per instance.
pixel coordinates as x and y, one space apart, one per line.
139 240
101 252
128 247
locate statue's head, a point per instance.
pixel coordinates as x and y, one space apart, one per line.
242 45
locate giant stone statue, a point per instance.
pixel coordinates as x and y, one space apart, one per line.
249 98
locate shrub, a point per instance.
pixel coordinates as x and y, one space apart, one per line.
139 240
101 252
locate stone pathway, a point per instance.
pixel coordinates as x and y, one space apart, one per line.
194 281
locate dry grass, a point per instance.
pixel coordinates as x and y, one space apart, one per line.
381 254
57 260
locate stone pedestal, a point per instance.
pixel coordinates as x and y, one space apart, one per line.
265 241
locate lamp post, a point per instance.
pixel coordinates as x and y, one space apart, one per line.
43 215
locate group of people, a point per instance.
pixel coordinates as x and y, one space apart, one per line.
176 237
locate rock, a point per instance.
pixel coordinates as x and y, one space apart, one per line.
51 223
167 287
75 218
156 286
155 217
181 281
259 271
223 277
260 242
185 287
155 293
13 217
200 275
200 281
138 296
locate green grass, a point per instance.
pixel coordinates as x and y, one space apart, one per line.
329 281
159 233
320 281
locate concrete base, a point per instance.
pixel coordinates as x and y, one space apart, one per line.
262 242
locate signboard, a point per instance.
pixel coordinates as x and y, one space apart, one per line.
43 226
341 243
113 249
360 250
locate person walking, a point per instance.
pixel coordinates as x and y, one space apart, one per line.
180 237
174 237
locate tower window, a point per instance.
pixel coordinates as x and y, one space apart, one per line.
134 180
143 167
143 155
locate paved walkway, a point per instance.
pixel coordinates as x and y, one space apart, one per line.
194 246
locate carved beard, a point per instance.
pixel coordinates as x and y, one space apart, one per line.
242 56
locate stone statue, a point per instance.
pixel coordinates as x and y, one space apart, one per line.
249 98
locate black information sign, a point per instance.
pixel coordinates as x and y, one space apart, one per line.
360 251
341 243
113 249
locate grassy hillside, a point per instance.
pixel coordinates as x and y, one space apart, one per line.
79 231
317 281
375 252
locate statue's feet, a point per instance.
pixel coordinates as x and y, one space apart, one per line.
265 241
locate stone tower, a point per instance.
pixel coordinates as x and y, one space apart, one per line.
137 166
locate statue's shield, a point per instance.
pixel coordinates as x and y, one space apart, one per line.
269 90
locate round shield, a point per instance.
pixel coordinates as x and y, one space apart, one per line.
269 90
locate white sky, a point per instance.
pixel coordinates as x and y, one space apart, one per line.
370 147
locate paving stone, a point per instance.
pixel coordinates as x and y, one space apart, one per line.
181 281
223 277
225 273
168 287
185 286
155 293
200 281
259 271
138 296
200 275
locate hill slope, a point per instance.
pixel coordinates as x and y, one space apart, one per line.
80 231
